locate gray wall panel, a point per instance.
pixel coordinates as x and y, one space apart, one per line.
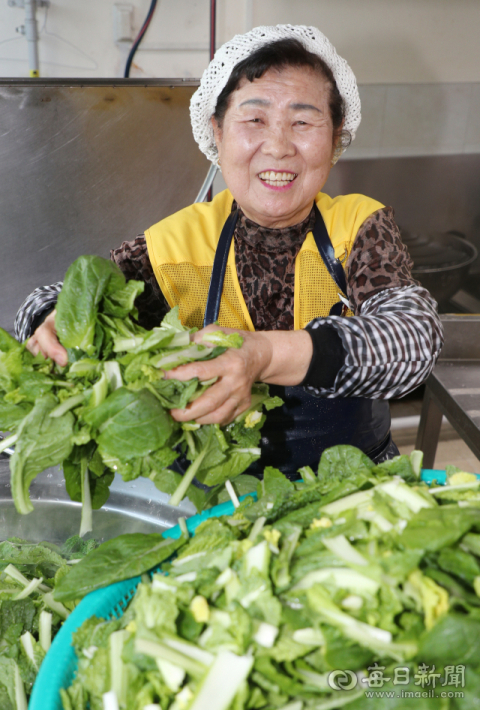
431 193
83 167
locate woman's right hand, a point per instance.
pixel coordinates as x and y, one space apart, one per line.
45 341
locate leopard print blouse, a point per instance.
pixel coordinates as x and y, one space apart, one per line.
265 260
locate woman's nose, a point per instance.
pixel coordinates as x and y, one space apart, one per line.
277 143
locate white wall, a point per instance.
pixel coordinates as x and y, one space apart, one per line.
385 41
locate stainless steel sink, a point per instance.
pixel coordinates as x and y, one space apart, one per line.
136 506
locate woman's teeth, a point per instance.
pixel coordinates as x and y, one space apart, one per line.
277 179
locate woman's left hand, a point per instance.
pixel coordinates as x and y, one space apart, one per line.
277 357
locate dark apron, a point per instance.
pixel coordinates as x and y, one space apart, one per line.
296 434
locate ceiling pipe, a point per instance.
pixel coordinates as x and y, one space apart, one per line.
213 27
213 37
31 35
30 30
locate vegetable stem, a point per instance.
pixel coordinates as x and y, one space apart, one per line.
178 495
86 524
9 441
20 697
215 693
232 494
45 630
31 587
67 405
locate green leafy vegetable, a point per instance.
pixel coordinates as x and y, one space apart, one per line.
29 616
107 411
120 558
356 570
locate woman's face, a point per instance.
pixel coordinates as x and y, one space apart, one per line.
276 145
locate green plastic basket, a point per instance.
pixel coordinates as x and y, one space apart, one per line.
59 666
60 663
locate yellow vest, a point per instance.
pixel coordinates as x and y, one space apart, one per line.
182 248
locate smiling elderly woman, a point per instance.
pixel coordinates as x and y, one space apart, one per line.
320 288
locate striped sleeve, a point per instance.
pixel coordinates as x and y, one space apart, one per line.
38 302
391 345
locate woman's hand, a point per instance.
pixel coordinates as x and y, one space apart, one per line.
275 357
45 341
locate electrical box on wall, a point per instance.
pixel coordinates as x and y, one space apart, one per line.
122 22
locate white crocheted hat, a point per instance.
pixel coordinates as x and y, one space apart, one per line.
216 75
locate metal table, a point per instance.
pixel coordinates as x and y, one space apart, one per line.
453 388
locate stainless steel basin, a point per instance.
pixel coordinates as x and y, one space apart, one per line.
136 506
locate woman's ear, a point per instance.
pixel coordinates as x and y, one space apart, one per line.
217 132
337 143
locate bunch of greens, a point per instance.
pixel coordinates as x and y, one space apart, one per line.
107 411
29 615
360 569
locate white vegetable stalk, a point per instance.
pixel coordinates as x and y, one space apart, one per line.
188 477
179 340
222 682
232 494
114 376
257 557
9 441
320 680
416 461
307 474
266 634
110 701
447 489
20 696
193 352
190 649
341 577
99 391
23 504
254 451
117 671
126 344
172 675
27 642
67 405
400 491
341 547
167 653
352 602
257 528
366 635
309 637
29 589
15 574
86 523
347 503
187 577
183 527
179 561
55 606
45 630
288 548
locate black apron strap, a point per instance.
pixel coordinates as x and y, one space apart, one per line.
217 278
327 252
